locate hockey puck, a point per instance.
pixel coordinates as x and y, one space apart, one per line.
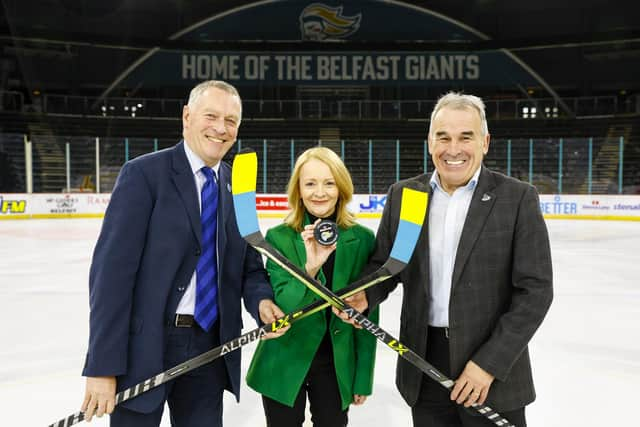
326 232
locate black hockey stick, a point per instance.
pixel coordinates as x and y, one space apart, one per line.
396 263
389 269
243 183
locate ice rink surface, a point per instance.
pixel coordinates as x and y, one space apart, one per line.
586 355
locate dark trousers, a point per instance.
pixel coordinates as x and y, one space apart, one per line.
434 407
195 398
321 386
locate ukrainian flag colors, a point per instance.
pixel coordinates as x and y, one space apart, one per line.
244 175
412 212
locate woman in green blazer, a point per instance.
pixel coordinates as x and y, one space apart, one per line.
321 357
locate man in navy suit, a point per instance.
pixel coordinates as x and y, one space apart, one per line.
143 276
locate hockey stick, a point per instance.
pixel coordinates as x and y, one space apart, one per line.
386 271
403 249
243 184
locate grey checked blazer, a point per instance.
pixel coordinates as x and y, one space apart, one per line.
501 287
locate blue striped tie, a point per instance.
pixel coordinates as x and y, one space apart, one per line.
206 311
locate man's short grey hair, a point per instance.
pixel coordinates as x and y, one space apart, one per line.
459 101
198 90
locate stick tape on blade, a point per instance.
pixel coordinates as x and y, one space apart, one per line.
243 187
412 212
244 174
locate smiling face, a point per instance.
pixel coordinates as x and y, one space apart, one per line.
210 124
318 189
457 146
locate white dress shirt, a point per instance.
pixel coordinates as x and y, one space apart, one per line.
188 302
447 214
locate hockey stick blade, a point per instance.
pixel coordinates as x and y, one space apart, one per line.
243 184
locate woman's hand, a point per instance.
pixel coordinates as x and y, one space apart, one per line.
359 399
317 254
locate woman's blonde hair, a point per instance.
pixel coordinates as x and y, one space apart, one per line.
344 218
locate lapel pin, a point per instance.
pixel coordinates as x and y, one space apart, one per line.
486 197
228 187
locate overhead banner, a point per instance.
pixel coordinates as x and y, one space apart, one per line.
332 67
424 68
330 21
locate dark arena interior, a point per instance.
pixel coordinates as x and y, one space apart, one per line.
87 86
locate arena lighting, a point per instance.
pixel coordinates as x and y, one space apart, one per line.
529 113
139 105
551 112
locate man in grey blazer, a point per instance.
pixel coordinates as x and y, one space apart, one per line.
480 280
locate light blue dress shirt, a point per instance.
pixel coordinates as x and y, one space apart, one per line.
447 214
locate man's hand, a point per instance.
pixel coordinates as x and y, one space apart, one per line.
99 397
269 313
357 301
472 386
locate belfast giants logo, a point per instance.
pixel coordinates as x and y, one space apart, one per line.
321 22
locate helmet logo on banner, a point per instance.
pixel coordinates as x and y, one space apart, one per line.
321 22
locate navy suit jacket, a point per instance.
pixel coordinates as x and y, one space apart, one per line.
143 261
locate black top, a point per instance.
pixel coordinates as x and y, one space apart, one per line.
327 269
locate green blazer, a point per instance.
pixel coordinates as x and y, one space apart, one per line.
280 365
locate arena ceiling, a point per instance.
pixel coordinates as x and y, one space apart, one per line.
580 47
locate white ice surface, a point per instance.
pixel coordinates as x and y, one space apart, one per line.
586 355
